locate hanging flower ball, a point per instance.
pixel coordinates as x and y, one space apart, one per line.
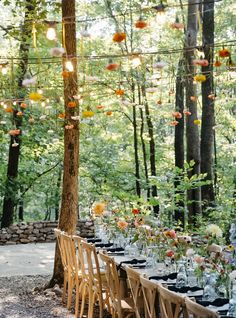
61 116
174 123
212 96
23 105
109 113
177 115
65 74
71 104
9 109
119 37
35 97
19 113
31 120
217 63
177 25
197 122
224 53
141 24
193 98
122 225
119 92
98 208
112 66
200 78
87 113
201 62
14 132
187 113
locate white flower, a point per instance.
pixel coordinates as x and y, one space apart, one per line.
190 252
232 275
214 230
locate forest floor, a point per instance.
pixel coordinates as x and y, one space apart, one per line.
24 271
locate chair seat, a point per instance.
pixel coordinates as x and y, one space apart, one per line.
127 304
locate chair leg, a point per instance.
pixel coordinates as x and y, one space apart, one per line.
83 295
77 294
70 290
91 303
65 283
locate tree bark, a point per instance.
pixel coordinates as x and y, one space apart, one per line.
152 155
69 205
179 137
10 197
57 193
208 111
192 132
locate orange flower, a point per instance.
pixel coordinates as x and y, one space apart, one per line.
170 253
19 113
217 63
122 225
71 104
140 24
14 132
135 211
224 53
119 37
109 113
177 115
23 105
99 107
98 208
87 113
9 109
65 74
61 116
112 66
174 123
119 92
187 113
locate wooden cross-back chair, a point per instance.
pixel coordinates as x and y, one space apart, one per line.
74 272
97 290
60 243
150 291
172 305
198 311
121 308
136 290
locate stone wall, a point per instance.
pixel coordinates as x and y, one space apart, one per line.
42 231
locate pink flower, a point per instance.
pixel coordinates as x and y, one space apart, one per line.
199 259
170 253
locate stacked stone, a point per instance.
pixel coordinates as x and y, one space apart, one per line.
42 231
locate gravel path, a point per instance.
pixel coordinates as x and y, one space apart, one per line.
24 297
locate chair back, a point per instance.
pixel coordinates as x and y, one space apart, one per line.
112 282
172 305
61 246
81 259
70 253
136 289
150 291
198 311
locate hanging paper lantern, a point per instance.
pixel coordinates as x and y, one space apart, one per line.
217 63
119 37
187 113
61 116
197 122
109 113
19 113
112 66
14 132
177 115
200 78
35 97
201 62
141 24
174 123
23 105
9 109
87 113
224 53
71 104
119 92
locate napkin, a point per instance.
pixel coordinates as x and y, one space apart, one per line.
217 302
93 240
133 261
164 277
103 244
115 249
184 289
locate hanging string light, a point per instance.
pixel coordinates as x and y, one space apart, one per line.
51 31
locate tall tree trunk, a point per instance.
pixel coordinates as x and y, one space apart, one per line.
69 205
21 210
57 193
151 147
192 133
208 111
179 137
10 197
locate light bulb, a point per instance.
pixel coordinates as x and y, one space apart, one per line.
51 34
69 66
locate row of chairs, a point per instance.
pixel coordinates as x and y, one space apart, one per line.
96 280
